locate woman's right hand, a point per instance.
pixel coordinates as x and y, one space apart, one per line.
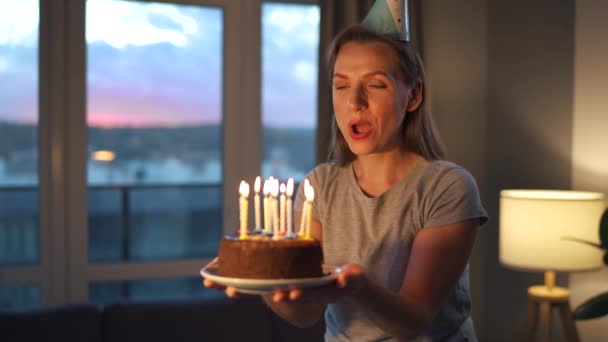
230 291
210 284
351 279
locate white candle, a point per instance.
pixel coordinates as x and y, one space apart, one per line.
275 209
243 206
289 205
302 231
266 191
282 209
256 203
310 196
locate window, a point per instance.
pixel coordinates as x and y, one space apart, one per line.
154 115
151 113
290 48
19 212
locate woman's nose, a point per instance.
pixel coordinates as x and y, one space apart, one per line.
356 98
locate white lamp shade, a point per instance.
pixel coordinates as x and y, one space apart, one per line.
533 224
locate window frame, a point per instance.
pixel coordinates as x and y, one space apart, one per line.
64 271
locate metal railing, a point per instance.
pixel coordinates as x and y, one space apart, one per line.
126 222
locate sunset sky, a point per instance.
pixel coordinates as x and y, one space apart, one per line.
159 64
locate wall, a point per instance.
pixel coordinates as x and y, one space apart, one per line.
590 141
530 76
454 51
517 91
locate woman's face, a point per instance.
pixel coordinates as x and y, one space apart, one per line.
370 101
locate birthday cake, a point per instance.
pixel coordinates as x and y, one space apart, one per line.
261 257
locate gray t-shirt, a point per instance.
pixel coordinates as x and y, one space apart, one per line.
378 233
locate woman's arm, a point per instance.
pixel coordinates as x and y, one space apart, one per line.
439 256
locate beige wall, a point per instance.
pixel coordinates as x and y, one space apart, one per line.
590 137
530 76
518 90
455 57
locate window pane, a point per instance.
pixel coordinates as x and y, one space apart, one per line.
290 35
155 130
18 132
19 297
102 293
154 222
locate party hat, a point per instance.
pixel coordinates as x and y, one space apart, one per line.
389 17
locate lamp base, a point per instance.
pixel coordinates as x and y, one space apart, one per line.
541 300
543 292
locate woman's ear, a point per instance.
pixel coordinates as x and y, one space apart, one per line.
415 97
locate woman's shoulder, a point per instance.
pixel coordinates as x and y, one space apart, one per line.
440 166
435 171
327 172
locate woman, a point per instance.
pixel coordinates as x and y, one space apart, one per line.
400 221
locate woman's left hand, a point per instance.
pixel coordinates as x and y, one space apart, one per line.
350 280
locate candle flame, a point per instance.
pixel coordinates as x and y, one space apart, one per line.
309 192
266 188
282 188
244 189
256 185
274 190
290 187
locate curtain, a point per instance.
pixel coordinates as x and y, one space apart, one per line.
337 15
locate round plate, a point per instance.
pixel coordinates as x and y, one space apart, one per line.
261 286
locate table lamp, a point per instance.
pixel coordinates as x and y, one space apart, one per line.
537 229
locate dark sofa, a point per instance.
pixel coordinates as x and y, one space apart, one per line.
218 319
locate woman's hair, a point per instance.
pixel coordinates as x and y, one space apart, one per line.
418 133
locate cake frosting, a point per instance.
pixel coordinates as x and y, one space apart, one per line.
261 257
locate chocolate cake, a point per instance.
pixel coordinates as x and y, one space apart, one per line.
261 257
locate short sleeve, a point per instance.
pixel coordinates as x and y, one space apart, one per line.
453 198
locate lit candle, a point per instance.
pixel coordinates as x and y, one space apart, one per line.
275 209
282 209
271 210
244 191
289 205
256 203
310 196
302 230
266 191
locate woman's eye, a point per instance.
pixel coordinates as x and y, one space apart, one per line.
377 85
340 86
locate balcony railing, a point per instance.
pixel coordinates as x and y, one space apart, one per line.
130 222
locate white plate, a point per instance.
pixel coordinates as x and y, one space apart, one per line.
261 286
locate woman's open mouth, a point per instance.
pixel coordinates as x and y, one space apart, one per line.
359 129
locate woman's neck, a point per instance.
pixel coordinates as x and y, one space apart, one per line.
376 173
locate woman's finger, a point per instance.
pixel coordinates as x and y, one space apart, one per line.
280 295
352 275
212 285
231 292
295 294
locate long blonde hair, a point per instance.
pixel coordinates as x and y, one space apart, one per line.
419 133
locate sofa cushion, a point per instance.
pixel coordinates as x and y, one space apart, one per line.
77 322
217 319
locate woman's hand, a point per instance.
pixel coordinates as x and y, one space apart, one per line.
349 281
230 291
208 283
